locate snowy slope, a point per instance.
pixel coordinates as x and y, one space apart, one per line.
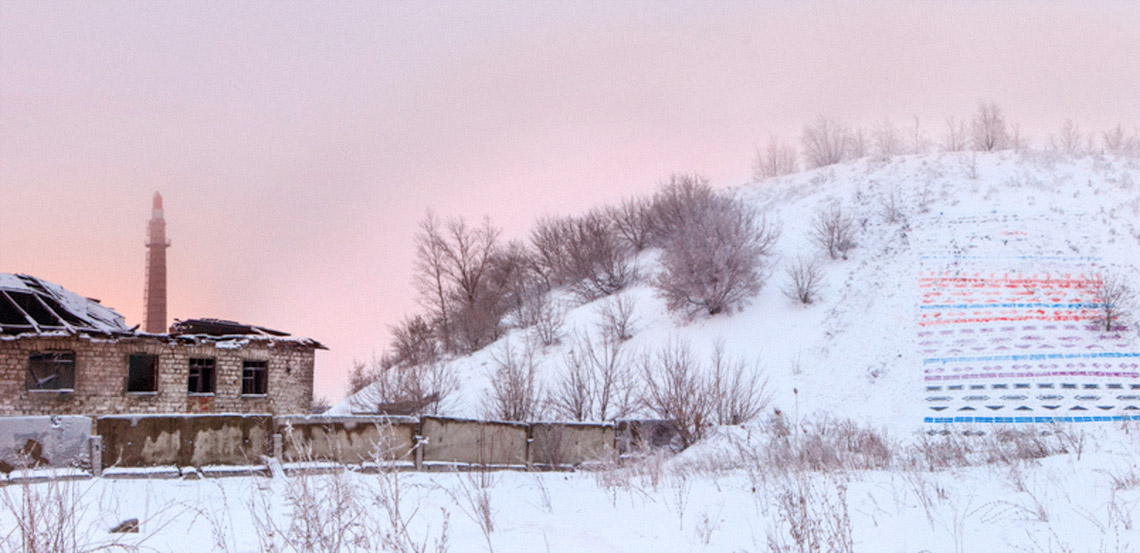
985 275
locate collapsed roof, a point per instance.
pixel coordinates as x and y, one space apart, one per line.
32 305
29 305
221 329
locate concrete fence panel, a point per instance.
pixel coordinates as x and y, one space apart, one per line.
184 440
559 444
351 439
44 441
475 442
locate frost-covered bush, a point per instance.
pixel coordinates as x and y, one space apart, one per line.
714 257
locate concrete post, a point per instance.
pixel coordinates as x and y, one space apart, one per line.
278 447
420 442
96 443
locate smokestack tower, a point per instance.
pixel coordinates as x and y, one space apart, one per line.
154 296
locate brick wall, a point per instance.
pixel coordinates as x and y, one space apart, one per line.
101 368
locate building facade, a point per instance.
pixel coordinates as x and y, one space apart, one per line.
64 354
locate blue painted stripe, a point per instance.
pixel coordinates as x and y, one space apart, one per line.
1016 420
1013 306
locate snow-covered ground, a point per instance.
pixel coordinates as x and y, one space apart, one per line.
973 307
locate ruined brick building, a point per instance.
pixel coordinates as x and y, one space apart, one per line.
61 353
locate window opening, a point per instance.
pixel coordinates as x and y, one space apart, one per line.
201 379
254 377
143 373
51 370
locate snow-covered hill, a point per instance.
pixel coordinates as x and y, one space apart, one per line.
975 302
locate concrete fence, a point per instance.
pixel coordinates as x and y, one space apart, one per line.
178 441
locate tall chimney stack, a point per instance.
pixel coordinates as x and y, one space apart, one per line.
154 296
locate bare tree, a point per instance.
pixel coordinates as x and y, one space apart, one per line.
675 390
804 280
957 136
1117 142
548 246
1114 301
515 390
825 142
833 231
716 258
739 391
918 141
616 313
413 342
859 144
633 219
479 282
988 131
1069 140
431 276
597 383
776 159
886 138
548 318
399 389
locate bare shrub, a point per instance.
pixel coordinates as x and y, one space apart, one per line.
833 231
46 517
805 277
1114 299
825 142
515 391
968 163
597 382
680 388
597 262
812 518
547 320
886 138
715 259
679 200
737 390
399 389
776 159
588 254
1117 141
891 206
988 130
617 320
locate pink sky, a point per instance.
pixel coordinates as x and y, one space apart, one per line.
298 144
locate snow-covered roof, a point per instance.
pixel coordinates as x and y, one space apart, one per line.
29 305
223 330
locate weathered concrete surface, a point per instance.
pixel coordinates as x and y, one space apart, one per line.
184 440
46 441
560 444
349 439
475 442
